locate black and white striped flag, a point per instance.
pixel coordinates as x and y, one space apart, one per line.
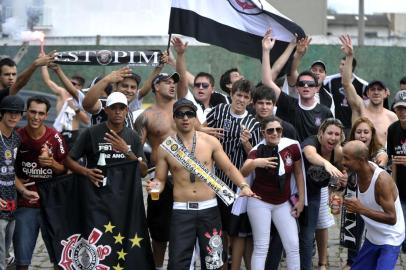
236 25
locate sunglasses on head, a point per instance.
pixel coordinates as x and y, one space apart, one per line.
202 85
271 131
181 115
306 83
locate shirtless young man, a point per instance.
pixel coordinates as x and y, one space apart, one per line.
373 108
195 211
155 124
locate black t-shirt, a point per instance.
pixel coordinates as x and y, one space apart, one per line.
313 190
342 108
91 143
8 151
289 131
306 122
217 98
396 145
4 93
325 98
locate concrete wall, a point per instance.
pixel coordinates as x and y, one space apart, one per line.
309 14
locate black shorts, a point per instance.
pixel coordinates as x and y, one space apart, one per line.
225 212
159 213
186 226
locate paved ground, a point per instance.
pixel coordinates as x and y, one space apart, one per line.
337 255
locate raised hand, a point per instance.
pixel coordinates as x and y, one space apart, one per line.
346 45
303 44
268 42
179 46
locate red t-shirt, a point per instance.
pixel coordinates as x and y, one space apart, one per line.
266 184
27 166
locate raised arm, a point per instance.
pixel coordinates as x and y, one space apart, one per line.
91 101
65 81
172 62
180 48
354 100
301 48
59 91
267 44
282 60
24 77
146 87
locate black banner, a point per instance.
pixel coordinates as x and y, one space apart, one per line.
348 229
97 228
109 58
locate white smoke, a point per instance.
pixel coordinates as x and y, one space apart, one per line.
32 35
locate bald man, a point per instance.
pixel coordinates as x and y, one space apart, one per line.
379 205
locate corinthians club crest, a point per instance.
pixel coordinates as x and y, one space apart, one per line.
104 57
245 6
81 254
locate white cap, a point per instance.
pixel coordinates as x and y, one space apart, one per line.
116 97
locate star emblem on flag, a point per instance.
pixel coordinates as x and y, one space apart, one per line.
118 267
121 254
136 241
109 227
118 239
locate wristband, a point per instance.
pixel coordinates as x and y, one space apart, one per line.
243 185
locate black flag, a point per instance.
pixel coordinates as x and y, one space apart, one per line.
97 228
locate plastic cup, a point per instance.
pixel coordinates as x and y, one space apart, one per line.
348 196
155 191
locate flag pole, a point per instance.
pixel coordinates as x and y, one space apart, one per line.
169 42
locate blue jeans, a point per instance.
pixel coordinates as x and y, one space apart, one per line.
28 224
6 234
307 230
379 257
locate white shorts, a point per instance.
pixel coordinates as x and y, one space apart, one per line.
326 219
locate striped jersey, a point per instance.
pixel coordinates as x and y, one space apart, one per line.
232 124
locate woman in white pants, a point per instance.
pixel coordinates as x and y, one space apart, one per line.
271 164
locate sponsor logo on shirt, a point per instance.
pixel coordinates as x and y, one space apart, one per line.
32 170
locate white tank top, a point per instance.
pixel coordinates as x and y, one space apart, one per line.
379 233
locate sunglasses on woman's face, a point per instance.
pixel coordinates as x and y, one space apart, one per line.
271 131
181 115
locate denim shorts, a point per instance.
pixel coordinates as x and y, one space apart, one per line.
28 224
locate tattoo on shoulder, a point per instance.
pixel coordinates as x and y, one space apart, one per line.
140 124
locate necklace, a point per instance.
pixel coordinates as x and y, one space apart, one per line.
192 176
4 143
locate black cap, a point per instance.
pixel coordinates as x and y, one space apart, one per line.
372 83
183 102
320 63
12 103
163 77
